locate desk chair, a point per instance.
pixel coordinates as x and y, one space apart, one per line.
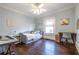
67 38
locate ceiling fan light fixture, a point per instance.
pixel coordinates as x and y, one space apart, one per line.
37 8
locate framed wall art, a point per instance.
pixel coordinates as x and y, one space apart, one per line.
65 21
9 22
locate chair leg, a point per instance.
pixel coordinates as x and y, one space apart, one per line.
67 44
10 49
66 41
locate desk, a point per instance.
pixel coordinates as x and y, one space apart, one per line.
73 36
9 42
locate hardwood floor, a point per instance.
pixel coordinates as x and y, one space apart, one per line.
45 47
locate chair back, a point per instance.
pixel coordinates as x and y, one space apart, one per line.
66 35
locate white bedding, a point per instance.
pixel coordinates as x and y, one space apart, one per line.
33 36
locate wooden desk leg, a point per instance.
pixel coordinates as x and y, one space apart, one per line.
10 49
73 38
60 36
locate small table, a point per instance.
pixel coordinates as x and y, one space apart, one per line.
9 42
73 36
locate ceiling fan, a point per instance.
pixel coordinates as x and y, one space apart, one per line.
38 8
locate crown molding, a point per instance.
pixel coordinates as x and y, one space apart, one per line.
58 11
12 9
16 11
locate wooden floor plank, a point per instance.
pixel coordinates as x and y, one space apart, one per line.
45 47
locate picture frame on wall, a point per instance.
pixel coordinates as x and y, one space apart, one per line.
65 21
9 22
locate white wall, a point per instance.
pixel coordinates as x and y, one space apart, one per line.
77 30
21 23
68 13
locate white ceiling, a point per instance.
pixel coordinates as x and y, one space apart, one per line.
25 8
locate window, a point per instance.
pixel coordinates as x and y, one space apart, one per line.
49 29
49 26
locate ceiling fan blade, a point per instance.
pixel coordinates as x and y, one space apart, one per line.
41 5
34 6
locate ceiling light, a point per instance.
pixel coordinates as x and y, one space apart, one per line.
37 8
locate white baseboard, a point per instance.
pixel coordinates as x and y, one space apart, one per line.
52 37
